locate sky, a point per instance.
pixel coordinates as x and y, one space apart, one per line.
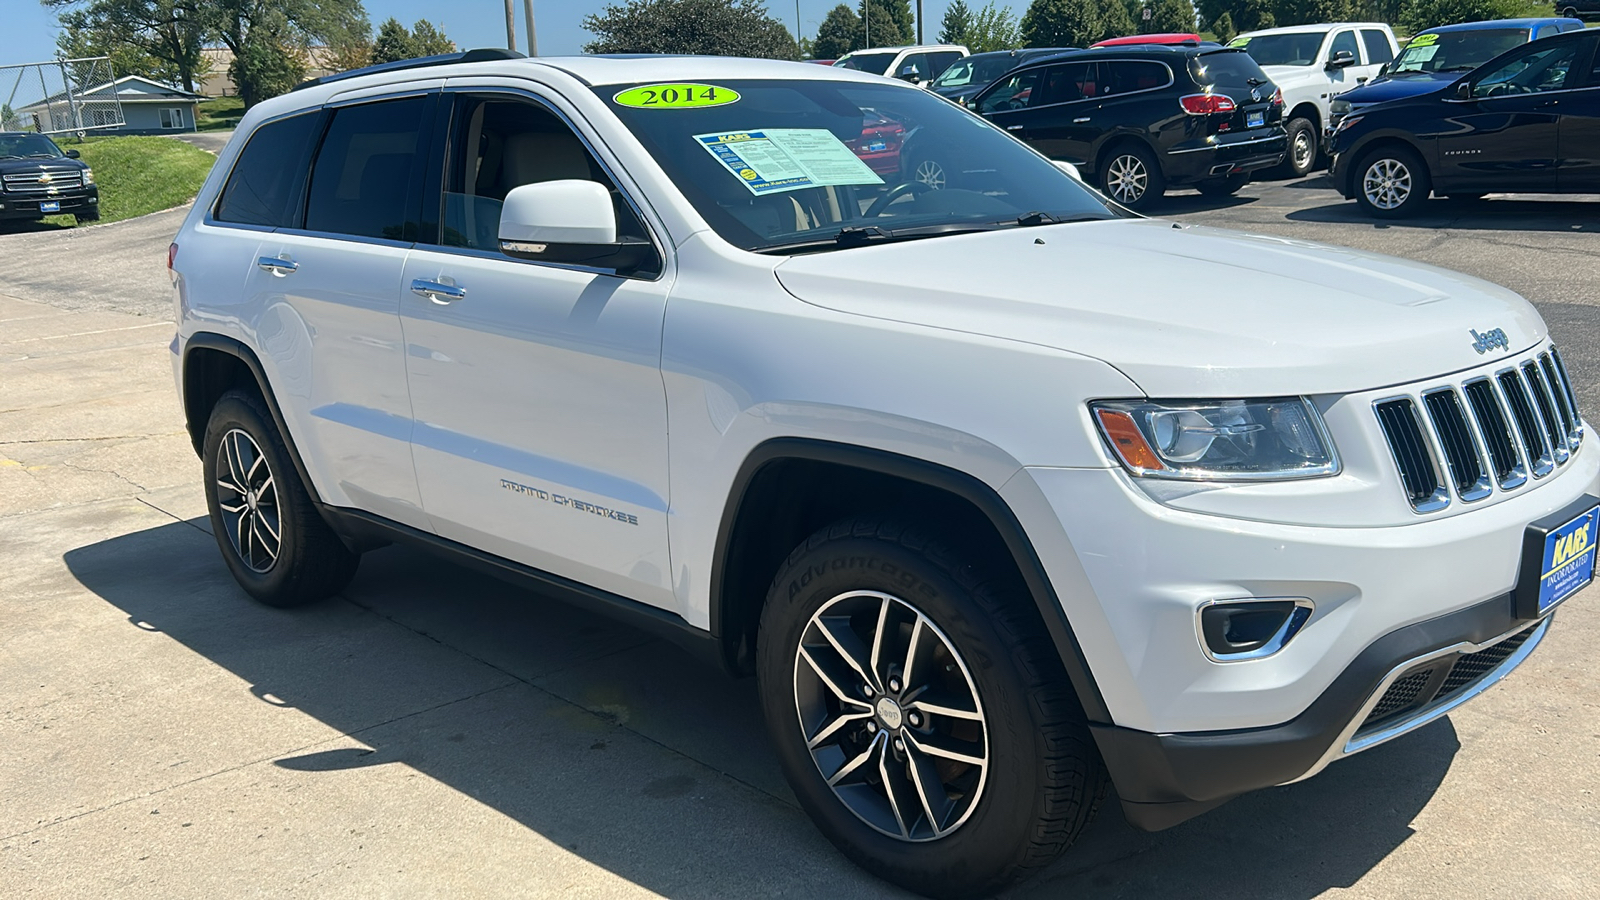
28 30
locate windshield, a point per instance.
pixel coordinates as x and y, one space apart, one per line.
1456 51
774 165
23 145
876 63
977 70
1283 49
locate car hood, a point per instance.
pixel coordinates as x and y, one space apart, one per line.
13 166
1183 311
1411 84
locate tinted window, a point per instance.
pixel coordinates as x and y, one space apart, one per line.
1284 49
500 144
915 64
22 145
1226 69
1016 92
360 180
1126 77
265 186
876 63
1377 44
1533 72
1066 83
1457 51
943 60
980 69
1346 41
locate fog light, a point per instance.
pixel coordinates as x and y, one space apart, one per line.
1234 630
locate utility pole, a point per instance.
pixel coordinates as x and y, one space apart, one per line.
511 27
919 21
533 39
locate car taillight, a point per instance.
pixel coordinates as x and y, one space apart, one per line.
172 254
1206 104
1277 97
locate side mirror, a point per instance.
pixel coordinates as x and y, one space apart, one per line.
909 73
571 222
73 154
1383 71
1463 90
1068 168
1341 58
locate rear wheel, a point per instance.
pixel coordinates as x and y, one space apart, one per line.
1223 187
919 713
277 546
1571 13
1392 182
1301 157
1131 176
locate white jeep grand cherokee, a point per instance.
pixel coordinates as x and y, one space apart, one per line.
1002 493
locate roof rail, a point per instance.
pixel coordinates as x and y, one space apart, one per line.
481 54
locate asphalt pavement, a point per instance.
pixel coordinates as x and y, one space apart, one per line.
433 732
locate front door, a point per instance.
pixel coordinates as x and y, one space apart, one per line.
1503 137
1063 125
1579 171
541 431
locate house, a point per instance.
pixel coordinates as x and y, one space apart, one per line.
148 107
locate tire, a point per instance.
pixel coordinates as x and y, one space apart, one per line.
1223 187
1300 159
1035 779
1130 175
929 170
254 494
1571 13
1391 182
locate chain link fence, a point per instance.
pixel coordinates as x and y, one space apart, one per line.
65 96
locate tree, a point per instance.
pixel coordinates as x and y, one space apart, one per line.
706 27
393 43
1416 15
881 25
430 41
1116 20
1307 12
270 38
271 63
350 47
993 28
1223 27
1254 15
836 36
1061 23
1172 16
159 39
956 26
900 11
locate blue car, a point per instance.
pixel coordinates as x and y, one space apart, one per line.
1435 58
1526 121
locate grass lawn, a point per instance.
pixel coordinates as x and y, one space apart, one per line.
140 174
220 114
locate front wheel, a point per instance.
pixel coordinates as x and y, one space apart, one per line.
1392 182
1132 177
272 538
920 714
1302 155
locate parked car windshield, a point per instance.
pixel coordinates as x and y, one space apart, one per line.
1456 51
876 63
22 145
774 164
980 69
1284 49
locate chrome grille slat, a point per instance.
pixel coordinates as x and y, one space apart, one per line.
28 182
1487 433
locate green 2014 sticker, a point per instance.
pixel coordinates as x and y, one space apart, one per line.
1423 40
676 96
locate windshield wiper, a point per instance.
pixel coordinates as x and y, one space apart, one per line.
862 235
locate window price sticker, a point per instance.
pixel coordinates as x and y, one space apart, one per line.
774 160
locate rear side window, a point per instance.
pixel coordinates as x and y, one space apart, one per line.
1345 40
359 185
1125 77
1017 92
267 181
1067 83
1377 44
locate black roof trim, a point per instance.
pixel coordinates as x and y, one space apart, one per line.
481 54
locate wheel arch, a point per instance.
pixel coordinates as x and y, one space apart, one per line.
1305 109
1117 139
802 476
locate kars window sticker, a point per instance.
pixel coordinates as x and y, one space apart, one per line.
1426 52
675 95
773 160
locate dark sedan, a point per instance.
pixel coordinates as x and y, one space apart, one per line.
1527 121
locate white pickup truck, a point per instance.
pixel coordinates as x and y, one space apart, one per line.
1312 64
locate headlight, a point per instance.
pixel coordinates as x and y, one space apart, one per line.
1347 122
1339 107
1218 440
88 176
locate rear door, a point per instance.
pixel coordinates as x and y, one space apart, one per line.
1579 169
1062 125
1504 137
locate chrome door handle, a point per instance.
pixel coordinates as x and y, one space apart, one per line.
278 265
1015 127
1080 120
437 291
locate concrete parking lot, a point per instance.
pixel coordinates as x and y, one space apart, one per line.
433 732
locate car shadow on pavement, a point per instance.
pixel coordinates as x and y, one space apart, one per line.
1489 214
1193 202
632 755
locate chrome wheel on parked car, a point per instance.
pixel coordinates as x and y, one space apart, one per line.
1127 179
1392 182
930 173
891 716
247 495
1386 184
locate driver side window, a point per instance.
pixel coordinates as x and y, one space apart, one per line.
1015 93
1533 72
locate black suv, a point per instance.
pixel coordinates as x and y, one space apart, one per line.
38 180
1583 10
1135 120
1527 121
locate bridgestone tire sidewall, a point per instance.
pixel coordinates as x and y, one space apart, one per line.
993 839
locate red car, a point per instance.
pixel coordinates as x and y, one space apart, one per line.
879 144
1171 38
